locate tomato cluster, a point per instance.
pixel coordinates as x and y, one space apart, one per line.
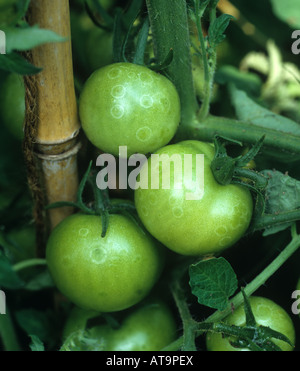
124 104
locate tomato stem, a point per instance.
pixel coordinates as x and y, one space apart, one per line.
247 133
28 264
209 61
170 30
268 220
189 325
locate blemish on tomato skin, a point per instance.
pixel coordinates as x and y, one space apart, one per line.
98 255
83 232
177 212
144 134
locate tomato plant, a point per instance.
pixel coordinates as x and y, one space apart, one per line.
204 211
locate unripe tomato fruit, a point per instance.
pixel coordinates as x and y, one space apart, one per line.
266 313
92 46
207 225
103 274
150 326
125 104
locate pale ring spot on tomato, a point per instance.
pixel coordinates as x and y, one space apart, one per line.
117 111
83 232
173 200
236 225
146 78
131 75
144 134
165 103
114 73
225 241
98 255
137 259
152 199
177 212
146 101
220 231
118 91
144 211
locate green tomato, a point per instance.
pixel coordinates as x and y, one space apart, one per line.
103 274
125 104
78 320
12 104
266 313
148 327
92 46
214 220
99 49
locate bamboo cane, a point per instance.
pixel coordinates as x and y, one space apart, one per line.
52 124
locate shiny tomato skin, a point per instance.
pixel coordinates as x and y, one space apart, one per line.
202 226
266 313
148 326
124 104
103 274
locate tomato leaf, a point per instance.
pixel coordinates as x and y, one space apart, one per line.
35 322
250 319
217 28
213 282
9 279
26 38
142 43
13 62
282 194
36 344
248 110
